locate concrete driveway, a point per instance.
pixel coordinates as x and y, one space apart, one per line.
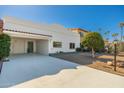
82 77
23 68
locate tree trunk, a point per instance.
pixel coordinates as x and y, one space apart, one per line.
93 53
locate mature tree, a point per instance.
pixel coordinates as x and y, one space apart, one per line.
94 41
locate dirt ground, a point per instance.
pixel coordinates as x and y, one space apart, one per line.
80 58
99 63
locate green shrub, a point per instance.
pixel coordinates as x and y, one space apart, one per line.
78 49
110 50
4 46
121 47
81 45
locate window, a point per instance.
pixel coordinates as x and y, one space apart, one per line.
57 44
72 45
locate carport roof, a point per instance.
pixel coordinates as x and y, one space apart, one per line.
26 32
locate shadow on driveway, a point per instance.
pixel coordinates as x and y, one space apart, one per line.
22 68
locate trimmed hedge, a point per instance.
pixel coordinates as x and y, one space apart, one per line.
4 46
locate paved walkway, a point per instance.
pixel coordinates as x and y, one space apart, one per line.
81 77
22 68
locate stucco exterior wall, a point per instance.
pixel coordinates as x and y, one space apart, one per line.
66 40
19 45
58 33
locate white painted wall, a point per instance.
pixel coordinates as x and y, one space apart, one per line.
58 33
19 45
66 40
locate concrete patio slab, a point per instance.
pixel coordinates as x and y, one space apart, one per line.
22 68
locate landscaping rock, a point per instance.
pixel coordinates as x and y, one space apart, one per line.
109 63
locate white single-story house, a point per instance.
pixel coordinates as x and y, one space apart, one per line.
30 37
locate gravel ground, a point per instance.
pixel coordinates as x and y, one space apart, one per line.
99 63
80 58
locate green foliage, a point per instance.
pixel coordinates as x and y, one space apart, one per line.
115 36
4 46
81 45
93 40
78 49
110 49
121 47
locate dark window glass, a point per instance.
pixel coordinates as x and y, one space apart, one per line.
57 44
72 45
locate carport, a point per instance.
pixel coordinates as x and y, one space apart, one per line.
24 42
28 45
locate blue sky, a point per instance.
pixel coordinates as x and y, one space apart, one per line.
107 18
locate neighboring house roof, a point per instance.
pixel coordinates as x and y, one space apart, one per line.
78 29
